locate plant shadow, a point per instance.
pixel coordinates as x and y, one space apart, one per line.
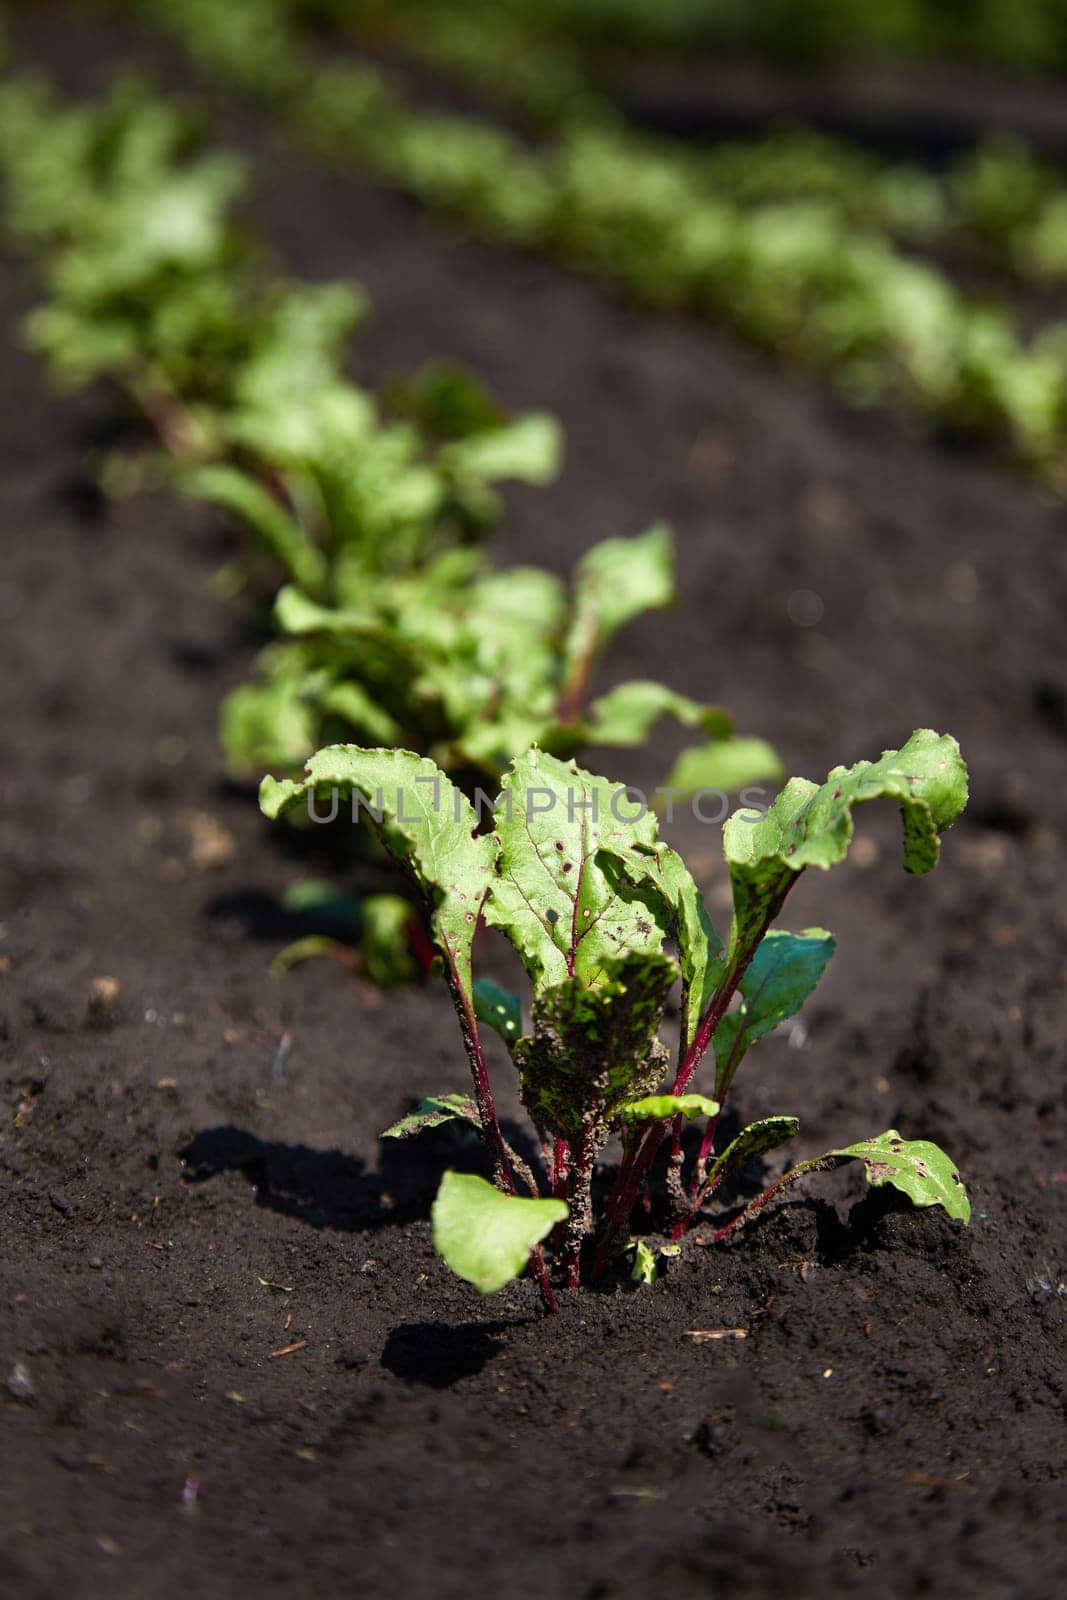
439 1354
330 1188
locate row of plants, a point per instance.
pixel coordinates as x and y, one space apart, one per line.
370 507
1001 205
1030 36
393 622
797 278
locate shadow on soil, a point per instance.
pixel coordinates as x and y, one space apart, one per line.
438 1354
330 1188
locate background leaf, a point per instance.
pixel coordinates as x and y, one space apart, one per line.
627 714
781 975
726 765
428 826
498 1009
615 581
245 498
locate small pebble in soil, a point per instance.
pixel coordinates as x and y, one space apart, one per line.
20 1385
104 996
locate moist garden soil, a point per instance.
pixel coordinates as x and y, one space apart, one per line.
192 1183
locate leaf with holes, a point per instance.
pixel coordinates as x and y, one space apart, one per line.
498 1009
916 1167
592 1049
551 895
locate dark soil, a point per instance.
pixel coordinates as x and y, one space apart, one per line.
893 1421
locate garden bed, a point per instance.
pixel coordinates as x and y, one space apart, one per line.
193 1183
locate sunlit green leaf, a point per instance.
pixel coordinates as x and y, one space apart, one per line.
811 824
661 1107
551 896
485 1236
916 1167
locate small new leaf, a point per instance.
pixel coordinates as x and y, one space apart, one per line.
649 1259
431 1113
485 1236
758 1139
662 1107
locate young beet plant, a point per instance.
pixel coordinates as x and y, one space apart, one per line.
575 875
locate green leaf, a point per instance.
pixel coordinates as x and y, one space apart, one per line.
354 704
781 975
268 724
916 1167
627 714
725 765
309 948
485 1236
427 825
432 1113
551 896
758 1139
246 499
527 450
592 1048
445 400
649 1259
662 1107
811 824
498 1009
660 869
615 581
384 945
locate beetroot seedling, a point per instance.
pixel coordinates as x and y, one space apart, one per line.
575 875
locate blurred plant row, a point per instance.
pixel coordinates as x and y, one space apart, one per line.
364 512
804 247
1028 36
